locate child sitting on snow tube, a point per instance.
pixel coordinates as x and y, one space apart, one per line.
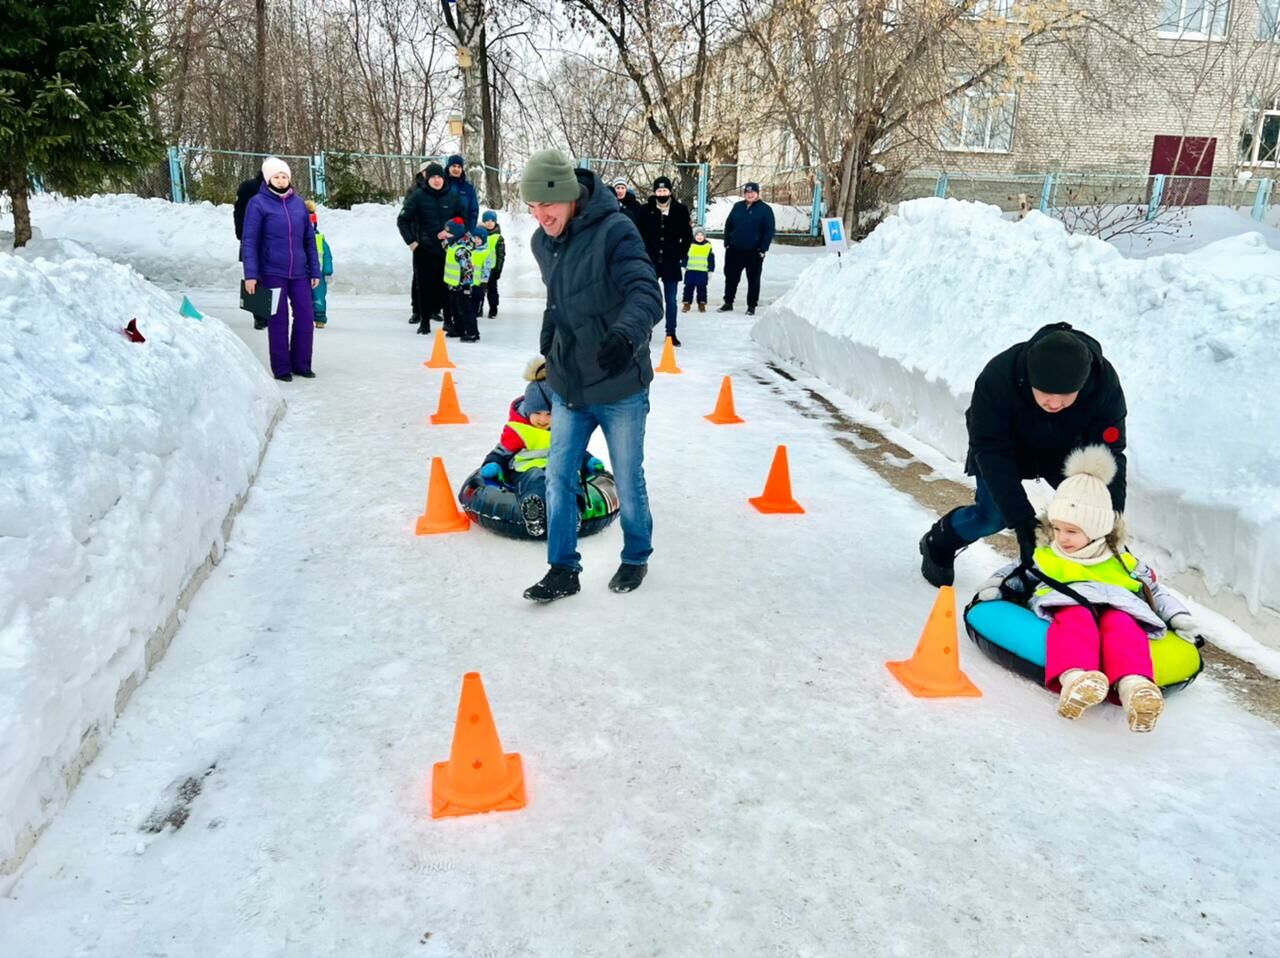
1104 605
519 461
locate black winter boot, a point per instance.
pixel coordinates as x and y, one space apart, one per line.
556 584
628 577
415 319
938 550
534 511
726 308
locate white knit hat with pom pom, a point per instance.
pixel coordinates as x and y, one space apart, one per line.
1082 498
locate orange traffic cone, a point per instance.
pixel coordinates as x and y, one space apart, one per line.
448 412
668 362
724 414
478 777
777 488
439 354
442 513
934 670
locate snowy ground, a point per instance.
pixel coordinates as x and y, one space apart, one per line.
718 764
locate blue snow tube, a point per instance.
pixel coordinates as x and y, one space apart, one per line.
1015 637
497 508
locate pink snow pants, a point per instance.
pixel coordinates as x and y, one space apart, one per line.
1118 645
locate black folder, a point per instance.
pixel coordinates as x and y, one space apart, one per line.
262 302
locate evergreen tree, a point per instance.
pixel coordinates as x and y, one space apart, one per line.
73 97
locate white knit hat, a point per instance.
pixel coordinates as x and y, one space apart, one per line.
1082 498
273 165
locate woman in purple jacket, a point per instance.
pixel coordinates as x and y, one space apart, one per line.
280 252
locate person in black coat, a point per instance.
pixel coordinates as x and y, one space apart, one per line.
1032 405
747 234
627 201
664 225
428 207
244 193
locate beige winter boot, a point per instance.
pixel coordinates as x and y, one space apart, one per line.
1080 690
686 307
1142 702
702 307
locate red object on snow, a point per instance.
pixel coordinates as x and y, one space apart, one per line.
131 331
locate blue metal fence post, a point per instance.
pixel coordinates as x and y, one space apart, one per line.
318 184
175 176
815 218
1262 199
585 163
704 174
940 190
1157 194
1046 192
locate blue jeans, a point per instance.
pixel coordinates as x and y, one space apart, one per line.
979 520
670 289
622 423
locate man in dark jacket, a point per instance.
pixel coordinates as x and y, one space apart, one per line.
667 233
602 305
466 192
747 234
244 193
626 198
427 209
1032 405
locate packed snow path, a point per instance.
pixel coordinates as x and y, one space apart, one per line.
717 764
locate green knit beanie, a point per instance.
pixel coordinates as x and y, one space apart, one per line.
548 178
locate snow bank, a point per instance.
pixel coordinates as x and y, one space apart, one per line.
908 319
119 463
185 246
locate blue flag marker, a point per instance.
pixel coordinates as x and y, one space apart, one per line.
186 309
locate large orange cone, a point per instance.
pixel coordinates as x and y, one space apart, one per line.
668 362
439 354
448 412
934 671
442 513
777 488
478 777
724 414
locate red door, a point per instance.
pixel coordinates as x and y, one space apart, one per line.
1187 164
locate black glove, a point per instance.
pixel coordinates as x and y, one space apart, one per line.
1026 533
615 352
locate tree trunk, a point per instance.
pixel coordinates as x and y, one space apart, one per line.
469 15
184 68
17 186
260 78
493 182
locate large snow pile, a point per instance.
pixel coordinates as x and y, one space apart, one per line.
183 246
119 462
908 319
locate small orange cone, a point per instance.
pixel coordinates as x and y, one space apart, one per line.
442 513
724 414
933 672
668 362
478 777
439 354
448 412
777 488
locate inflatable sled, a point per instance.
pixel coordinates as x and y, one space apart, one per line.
1015 637
498 509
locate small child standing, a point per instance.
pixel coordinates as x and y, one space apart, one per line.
320 295
458 277
699 261
519 460
497 256
481 267
1106 642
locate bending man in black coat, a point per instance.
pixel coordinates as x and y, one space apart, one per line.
244 193
1032 405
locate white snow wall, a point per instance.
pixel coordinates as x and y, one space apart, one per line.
905 322
121 467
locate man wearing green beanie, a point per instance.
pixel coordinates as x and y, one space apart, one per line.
602 305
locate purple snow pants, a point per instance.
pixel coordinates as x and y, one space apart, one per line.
291 354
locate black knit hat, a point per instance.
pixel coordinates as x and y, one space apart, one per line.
662 182
1059 363
432 169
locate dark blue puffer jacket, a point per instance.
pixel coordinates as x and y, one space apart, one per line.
279 239
470 202
598 279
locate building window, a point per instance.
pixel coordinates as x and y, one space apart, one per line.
1262 148
994 9
1269 19
1195 19
980 120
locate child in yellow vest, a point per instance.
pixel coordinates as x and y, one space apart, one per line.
459 277
1083 551
699 262
519 460
497 257
320 294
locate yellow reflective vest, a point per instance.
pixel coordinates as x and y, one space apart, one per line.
699 257
536 443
